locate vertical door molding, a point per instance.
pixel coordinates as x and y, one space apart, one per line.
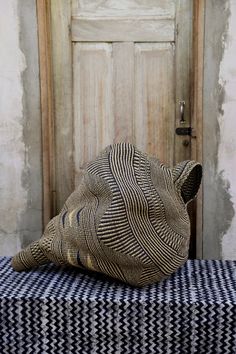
189 86
63 101
47 116
197 109
184 95
183 76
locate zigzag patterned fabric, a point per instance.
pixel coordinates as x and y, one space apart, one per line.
57 310
127 219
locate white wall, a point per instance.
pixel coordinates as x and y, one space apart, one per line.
12 157
18 109
227 127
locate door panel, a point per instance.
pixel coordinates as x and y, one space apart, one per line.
122 29
93 116
128 8
123 90
131 65
116 102
154 119
124 20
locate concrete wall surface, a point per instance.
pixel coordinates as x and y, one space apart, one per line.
227 132
20 142
219 130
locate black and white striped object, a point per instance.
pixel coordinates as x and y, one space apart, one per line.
57 310
127 219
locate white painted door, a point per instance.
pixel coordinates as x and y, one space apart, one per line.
120 69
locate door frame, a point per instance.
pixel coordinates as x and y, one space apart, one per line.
197 111
47 12
47 107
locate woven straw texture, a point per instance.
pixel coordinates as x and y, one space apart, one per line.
127 219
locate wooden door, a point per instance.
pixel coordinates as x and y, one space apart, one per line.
120 69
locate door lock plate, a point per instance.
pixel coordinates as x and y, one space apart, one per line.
184 131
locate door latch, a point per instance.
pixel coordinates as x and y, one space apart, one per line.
184 131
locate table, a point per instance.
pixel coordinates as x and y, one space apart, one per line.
67 310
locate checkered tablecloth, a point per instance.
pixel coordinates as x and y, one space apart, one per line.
65 310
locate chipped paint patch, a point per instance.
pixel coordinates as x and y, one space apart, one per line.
217 205
12 157
227 129
31 220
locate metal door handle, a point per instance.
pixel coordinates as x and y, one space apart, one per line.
181 109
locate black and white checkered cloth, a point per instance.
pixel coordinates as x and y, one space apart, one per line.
65 310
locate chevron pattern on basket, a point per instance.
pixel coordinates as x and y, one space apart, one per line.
66 310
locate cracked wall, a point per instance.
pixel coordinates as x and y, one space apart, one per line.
227 133
219 141
20 145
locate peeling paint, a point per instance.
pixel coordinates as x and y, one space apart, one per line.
12 157
31 220
20 177
217 205
227 128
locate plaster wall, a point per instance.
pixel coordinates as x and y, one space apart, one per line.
219 130
20 145
227 129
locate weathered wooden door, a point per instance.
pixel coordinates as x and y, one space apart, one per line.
120 70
